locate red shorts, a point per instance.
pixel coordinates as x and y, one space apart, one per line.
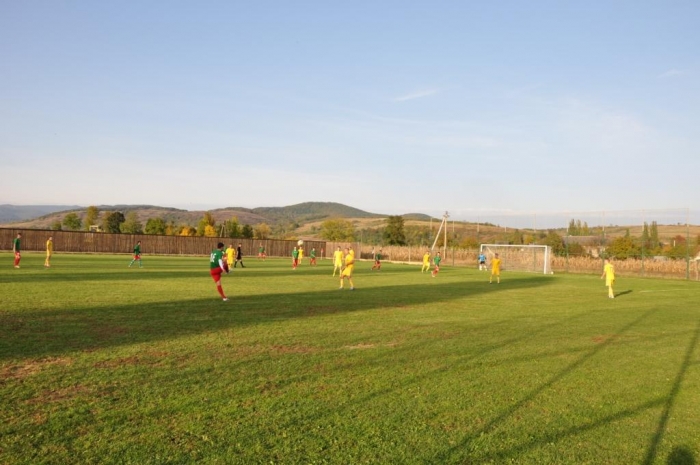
137 257
216 273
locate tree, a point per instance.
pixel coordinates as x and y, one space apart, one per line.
188 231
155 226
678 248
92 216
338 230
622 248
207 220
262 231
553 240
56 226
131 224
247 231
394 233
72 221
654 235
210 231
233 229
112 221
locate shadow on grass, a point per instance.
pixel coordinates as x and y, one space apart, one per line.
52 333
681 456
629 291
457 452
671 398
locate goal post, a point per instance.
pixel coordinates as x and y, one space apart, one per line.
530 258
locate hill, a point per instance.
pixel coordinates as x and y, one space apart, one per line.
9 213
312 211
299 214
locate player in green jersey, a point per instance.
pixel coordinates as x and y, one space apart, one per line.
436 261
312 257
217 265
16 248
377 261
295 258
137 255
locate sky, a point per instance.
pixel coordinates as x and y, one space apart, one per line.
392 107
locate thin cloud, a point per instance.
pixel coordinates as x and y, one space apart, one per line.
670 73
415 95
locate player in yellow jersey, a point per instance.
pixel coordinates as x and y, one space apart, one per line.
609 275
426 262
49 252
230 255
337 261
495 269
347 269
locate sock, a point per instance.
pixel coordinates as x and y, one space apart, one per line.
221 291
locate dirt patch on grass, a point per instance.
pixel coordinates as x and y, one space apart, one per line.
361 346
59 395
148 358
31 367
292 349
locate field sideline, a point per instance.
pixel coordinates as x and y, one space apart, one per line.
100 363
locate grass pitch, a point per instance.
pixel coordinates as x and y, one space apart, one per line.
100 363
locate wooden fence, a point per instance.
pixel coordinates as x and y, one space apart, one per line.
87 242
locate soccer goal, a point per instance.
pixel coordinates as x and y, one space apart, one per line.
531 258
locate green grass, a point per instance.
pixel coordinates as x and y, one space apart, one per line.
100 363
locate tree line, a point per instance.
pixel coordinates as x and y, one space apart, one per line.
117 222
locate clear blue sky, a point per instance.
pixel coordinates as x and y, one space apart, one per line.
391 106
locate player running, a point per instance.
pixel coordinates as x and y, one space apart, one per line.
137 255
217 266
436 261
377 261
261 252
312 257
426 262
239 256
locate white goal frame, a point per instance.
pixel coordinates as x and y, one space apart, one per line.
530 258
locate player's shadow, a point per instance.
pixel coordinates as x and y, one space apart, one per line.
52 333
681 456
629 291
456 452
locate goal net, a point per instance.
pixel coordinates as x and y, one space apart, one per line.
531 258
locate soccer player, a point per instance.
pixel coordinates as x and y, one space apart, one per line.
301 254
347 269
426 262
16 248
137 255
239 256
49 252
261 252
436 261
295 258
312 257
217 266
495 269
482 262
609 275
337 260
230 255
377 261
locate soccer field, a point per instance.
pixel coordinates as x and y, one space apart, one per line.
100 363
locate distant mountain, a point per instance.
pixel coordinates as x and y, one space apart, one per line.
299 214
10 213
312 211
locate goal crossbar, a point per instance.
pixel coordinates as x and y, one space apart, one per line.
530 258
